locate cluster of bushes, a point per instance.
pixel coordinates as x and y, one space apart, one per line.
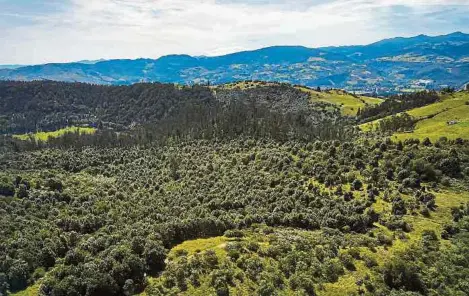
266 261
429 267
396 123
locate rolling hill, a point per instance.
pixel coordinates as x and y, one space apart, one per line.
49 106
349 104
387 66
448 118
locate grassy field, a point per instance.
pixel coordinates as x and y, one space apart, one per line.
349 104
369 126
196 246
433 119
44 136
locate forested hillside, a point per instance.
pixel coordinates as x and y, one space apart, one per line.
274 109
260 189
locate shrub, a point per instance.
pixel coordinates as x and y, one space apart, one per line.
347 261
370 261
7 189
400 274
234 233
357 184
445 181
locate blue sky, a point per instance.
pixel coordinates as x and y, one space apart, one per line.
40 31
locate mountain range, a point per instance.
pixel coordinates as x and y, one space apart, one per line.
389 65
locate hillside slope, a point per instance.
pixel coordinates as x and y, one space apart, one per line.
447 118
349 104
44 110
241 216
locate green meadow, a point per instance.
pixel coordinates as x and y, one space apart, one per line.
348 103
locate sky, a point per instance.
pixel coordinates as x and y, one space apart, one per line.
42 31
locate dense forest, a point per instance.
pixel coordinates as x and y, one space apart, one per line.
47 105
299 198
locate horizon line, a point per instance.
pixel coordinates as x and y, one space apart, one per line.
103 60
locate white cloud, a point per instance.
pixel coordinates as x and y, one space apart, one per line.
92 29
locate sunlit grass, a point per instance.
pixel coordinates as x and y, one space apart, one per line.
347 284
30 291
445 200
433 119
216 244
438 126
44 136
348 103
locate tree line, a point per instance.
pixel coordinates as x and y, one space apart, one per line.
396 104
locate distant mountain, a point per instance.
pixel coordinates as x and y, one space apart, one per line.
91 61
397 63
11 66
